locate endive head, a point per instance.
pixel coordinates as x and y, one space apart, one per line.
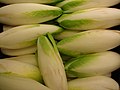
12 39
29 59
91 19
69 6
11 82
18 68
28 13
89 42
50 63
93 83
93 64
19 52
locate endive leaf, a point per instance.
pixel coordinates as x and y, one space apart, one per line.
30 59
28 13
10 82
18 52
91 19
93 64
75 5
50 64
25 35
89 42
93 83
20 69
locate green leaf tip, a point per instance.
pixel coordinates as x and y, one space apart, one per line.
45 44
44 13
71 24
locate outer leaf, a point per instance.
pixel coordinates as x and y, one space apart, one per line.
51 65
20 69
89 42
9 82
93 64
25 35
18 52
75 5
91 19
28 13
93 83
30 59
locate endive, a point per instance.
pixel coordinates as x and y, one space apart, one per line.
91 19
29 1
89 42
30 59
28 13
51 65
18 52
65 33
9 82
25 35
18 68
75 5
93 83
93 64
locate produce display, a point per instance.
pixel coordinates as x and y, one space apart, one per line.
59 44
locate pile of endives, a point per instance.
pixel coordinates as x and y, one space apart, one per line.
59 44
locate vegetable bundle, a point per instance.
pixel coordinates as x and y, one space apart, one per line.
59 44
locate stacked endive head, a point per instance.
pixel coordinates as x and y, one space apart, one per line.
29 59
91 19
18 52
10 82
90 41
25 35
95 64
17 68
50 63
69 6
28 13
93 83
